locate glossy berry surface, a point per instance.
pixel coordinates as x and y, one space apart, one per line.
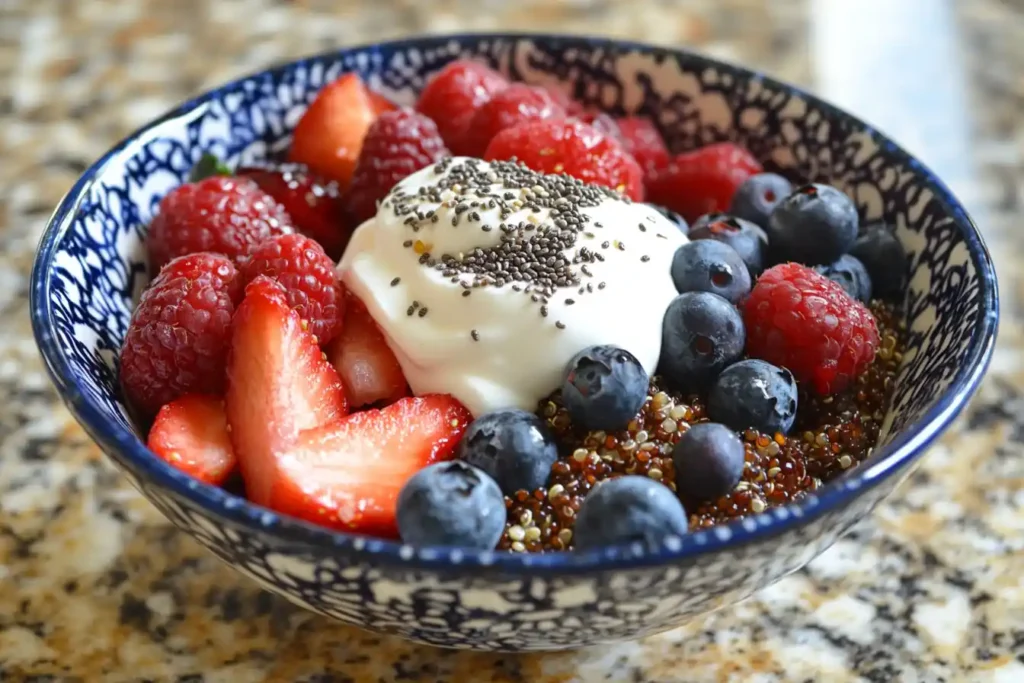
629 509
642 139
710 266
753 394
701 336
701 181
604 388
451 504
454 94
850 274
518 103
708 461
885 260
815 225
758 196
673 218
746 238
514 447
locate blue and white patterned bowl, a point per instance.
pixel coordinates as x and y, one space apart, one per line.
90 267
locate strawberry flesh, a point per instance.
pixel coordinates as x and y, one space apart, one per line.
368 368
191 433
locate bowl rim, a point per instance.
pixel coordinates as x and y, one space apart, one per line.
287 532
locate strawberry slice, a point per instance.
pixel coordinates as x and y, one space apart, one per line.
330 133
279 384
367 367
347 475
191 433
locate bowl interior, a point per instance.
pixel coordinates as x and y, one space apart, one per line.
91 264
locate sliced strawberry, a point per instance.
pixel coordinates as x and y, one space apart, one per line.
279 384
368 368
381 103
191 433
346 475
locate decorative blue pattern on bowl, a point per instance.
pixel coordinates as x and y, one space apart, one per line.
90 268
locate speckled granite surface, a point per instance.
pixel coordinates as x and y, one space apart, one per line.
95 586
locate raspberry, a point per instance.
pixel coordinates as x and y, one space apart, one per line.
570 147
703 181
455 93
398 144
803 321
641 138
516 104
299 264
602 123
177 341
224 215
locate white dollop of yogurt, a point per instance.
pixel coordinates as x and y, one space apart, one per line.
438 235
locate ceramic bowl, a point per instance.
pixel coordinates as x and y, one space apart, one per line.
90 267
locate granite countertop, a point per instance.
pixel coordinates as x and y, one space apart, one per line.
96 586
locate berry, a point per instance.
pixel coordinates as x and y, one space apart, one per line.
642 139
673 218
313 202
885 260
602 123
629 509
516 104
753 394
701 336
604 388
455 93
398 144
758 196
364 361
850 274
748 240
514 447
330 133
347 474
571 147
451 504
815 225
708 460
177 340
803 321
710 266
229 216
191 433
701 181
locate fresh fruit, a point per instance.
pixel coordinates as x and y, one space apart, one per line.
753 394
451 504
749 241
850 274
884 258
815 225
313 202
330 133
367 367
642 139
701 181
571 147
801 320
229 216
348 473
758 196
279 385
516 104
602 123
629 509
673 218
702 335
191 434
710 266
514 447
708 460
307 274
177 340
398 144
604 388
454 94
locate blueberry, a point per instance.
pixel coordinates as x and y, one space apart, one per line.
710 266
759 194
451 503
604 388
514 447
850 274
708 460
885 260
629 509
753 394
815 225
673 218
702 334
747 239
